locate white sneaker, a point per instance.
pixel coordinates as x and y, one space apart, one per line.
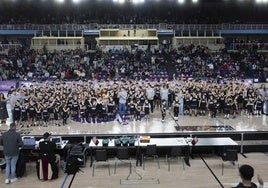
7 181
13 180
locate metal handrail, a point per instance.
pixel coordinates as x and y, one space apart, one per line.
161 26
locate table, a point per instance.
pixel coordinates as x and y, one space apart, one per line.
211 144
223 141
165 142
168 142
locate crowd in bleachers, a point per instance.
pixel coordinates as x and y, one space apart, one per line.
248 45
186 61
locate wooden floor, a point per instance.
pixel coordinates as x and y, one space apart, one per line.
153 125
198 175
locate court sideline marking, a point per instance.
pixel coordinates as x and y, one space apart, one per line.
211 171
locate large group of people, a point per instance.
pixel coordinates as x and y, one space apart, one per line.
186 61
93 87
54 103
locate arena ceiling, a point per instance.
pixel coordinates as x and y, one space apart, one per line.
133 11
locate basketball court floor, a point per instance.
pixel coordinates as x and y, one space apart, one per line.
154 125
204 171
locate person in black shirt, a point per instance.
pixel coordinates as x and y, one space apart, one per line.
163 110
83 108
103 111
57 113
212 107
32 113
227 107
3 109
194 105
24 114
45 114
187 104
146 109
47 149
176 105
221 101
111 108
246 173
259 105
94 111
65 114
38 111
250 106
157 97
17 112
75 109
132 107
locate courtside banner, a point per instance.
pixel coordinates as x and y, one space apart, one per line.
5 85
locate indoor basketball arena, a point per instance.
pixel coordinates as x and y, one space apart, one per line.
133 93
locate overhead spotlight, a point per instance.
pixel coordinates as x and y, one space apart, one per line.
138 1
76 1
119 1
181 1
60 1
261 1
195 1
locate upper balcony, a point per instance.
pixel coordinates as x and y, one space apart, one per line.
161 26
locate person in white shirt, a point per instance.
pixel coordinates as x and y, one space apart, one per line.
150 96
122 95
